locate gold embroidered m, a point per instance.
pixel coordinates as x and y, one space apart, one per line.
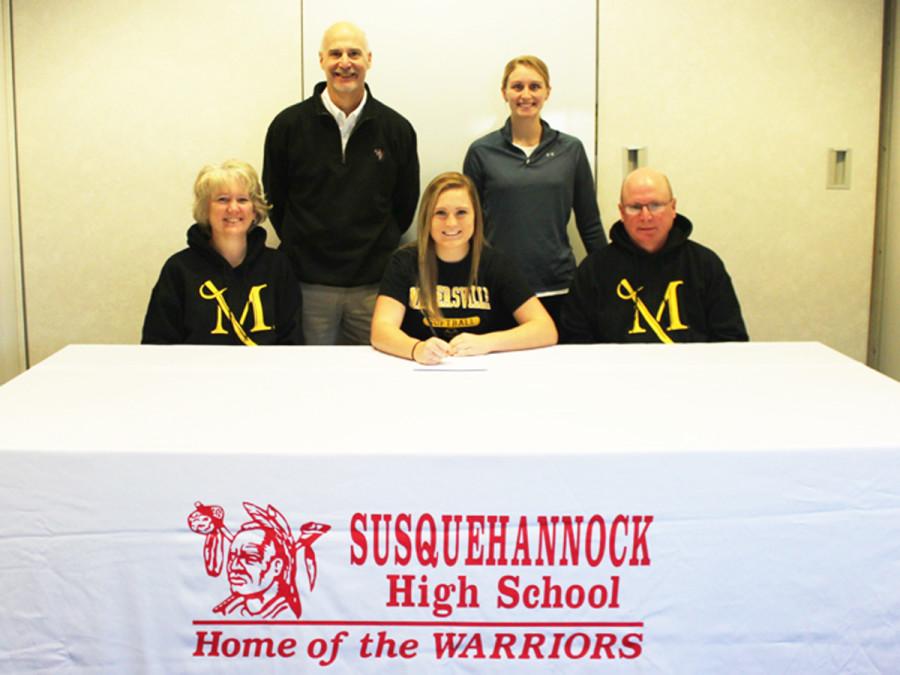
208 291
670 301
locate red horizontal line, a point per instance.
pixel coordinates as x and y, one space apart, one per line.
442 624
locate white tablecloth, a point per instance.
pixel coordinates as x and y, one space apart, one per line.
727 508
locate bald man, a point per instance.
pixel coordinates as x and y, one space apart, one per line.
651 283
342 174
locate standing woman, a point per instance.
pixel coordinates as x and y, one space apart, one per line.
227 287
448 294
530 178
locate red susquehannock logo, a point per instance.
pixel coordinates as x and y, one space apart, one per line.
262 559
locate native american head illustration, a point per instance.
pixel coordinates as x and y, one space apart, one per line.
262 559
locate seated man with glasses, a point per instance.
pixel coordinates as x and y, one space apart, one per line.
650 283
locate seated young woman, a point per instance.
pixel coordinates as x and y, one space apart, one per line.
449 294
227 287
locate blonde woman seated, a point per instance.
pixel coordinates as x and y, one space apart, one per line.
227 287
449 294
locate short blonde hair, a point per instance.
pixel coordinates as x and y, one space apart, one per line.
232 172
529 61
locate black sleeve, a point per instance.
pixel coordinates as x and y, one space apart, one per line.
473 169
276 171
406 190
505 280
723 312
164 322
587 213
399 275
289 312
577 315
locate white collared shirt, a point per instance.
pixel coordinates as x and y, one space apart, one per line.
345 122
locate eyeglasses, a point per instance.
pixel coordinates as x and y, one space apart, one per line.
652 207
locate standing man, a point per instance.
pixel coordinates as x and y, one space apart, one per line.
651 283
342 174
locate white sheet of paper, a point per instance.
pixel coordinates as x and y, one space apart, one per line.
458 363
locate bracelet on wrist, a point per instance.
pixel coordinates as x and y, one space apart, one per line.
412 353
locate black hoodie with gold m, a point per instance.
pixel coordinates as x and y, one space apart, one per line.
680 293
201 299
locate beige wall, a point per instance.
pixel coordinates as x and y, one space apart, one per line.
888 343
12 337
119 104
737 101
